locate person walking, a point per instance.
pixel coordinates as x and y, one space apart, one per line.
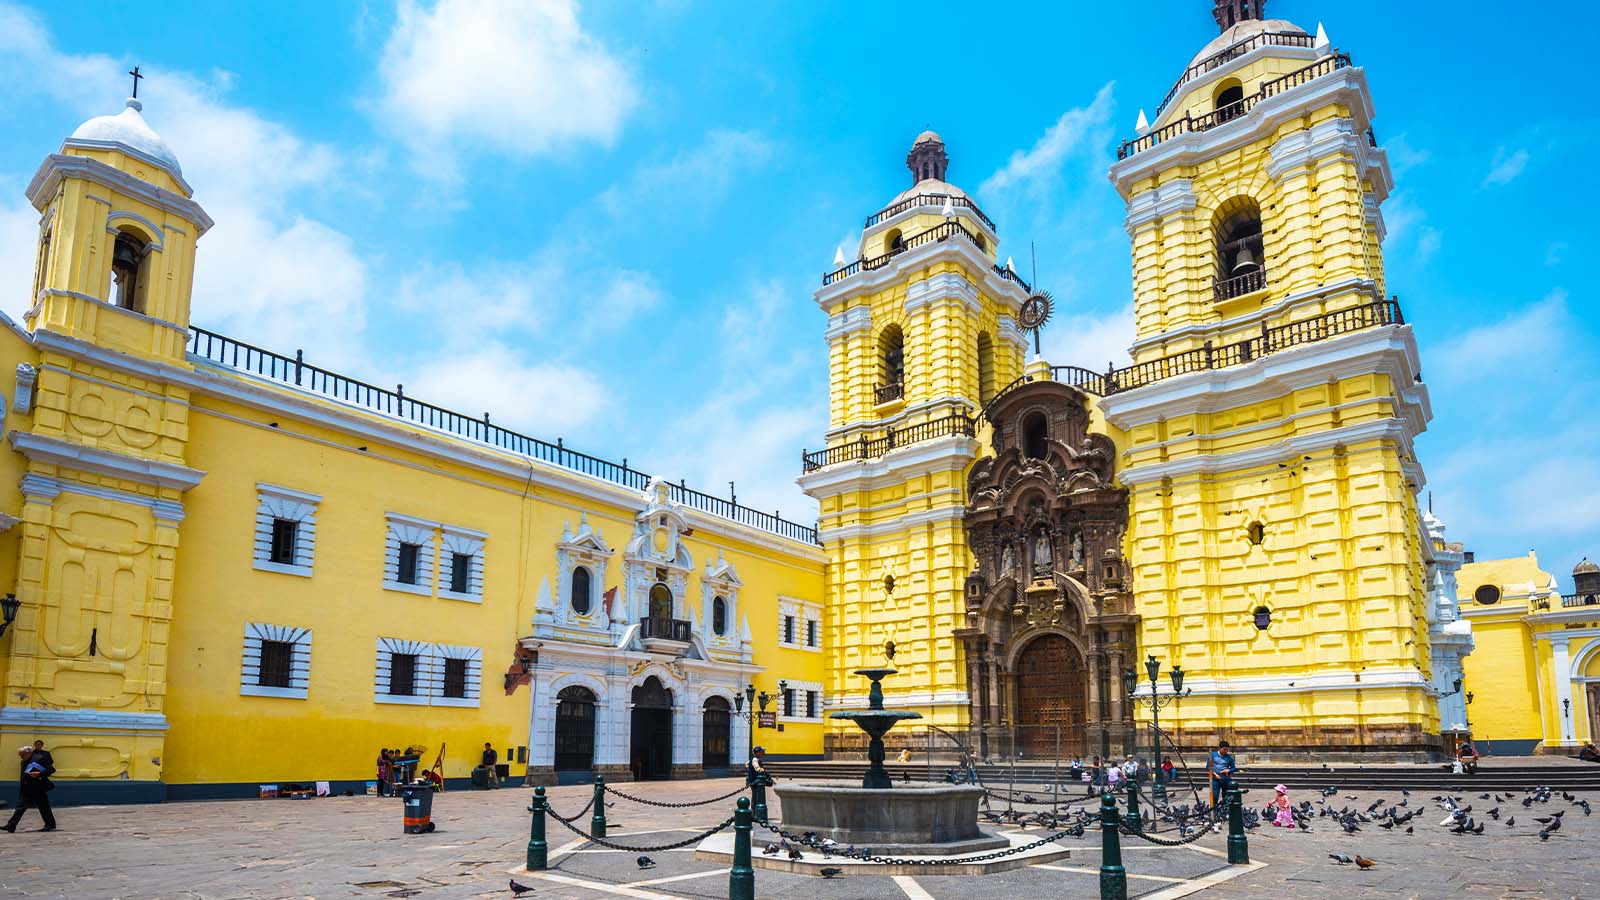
43 758
491 758
33 790
1222 768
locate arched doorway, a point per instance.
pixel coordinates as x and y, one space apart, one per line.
1052 693
651 756
715 734
574 729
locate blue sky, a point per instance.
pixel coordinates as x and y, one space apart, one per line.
606 222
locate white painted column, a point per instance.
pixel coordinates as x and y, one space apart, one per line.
738 739
686 727
541 719
1562 664
613 724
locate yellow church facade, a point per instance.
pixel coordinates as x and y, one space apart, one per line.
232 567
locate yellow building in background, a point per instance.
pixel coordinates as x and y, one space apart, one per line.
232 567
1533 683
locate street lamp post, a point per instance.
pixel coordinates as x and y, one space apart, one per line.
1152 667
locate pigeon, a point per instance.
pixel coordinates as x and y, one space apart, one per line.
1584 805
1544 835
1483 796
1340 859
771 849
1545 820
794 853
646 862
1410 828
830 871
1363 862
1494 814
1510 821
517 890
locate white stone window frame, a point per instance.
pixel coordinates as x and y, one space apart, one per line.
454 539
474 683
402 529
800 689
428 681
721 579
586 548
255 634
803 611
276 502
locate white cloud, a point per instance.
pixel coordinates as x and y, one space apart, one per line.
1076 128
1403 156
1088 339
517 78
1406 226
697 176
1506 166
542 398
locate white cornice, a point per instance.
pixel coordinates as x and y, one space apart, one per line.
1148 207
57 166
1200 331
44 487
1388 349
847 322
897 525
934 205
1331 141
1229 68
1279 451
54 451
1391 679
944 454
1346 86
978 264
943 286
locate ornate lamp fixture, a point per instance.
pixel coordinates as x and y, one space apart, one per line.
9 607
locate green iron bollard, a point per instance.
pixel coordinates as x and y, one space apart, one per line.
1238 846
597 821
1113 877
1158 788
742 878
538 850
758 798
1135 824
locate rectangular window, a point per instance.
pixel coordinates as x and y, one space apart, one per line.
788 629
811 704
455 678
284 534
811 632
407 573
276 663
403 674
460 568
788 703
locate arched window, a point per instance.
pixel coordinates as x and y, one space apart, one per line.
1229 101
1240 252
893 242
891 363
660 602
985 368
1035 436
719 616
127 265
581 591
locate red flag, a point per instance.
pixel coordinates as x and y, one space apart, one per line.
609 597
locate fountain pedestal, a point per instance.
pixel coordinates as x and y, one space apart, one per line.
876 722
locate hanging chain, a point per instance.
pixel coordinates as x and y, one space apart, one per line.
813 843
661 849
574 817
734 793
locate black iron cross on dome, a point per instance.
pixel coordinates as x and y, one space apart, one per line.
136 76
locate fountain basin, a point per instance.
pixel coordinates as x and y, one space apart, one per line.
907 819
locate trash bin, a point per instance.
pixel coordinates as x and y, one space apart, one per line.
480 778
418 800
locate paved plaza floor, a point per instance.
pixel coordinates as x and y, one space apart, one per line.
354 847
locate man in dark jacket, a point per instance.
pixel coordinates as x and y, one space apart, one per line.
33 791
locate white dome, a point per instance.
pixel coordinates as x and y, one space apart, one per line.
1245 29
127 129
929 186
928 136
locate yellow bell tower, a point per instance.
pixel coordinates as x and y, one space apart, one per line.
921 333
102 422
1271 408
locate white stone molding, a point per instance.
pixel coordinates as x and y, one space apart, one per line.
423 684
1236 64
299 640
1005 292
46 488
721 579
57 166
1146 208
943 286
454 541
802 692
67 454
807 622
22 395
105 721
401 529
657 554
473 683
274 502
1316 298
940 454
585 547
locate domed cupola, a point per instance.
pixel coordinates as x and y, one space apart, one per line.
927 158
129 132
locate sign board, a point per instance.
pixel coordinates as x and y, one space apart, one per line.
767 720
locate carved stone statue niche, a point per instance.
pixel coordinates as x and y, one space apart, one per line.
1049 628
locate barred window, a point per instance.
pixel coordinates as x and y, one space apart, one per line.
455 678
460 568
812 697
276 664
788 629
788 703
403 674
284 534
811 632
408 563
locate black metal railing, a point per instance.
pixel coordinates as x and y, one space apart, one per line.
294 370
891 391
1232 52
1232 111
1238 285
935 234
889 212
653 628
872 448
1569 601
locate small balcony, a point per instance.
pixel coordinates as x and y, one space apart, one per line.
1239 285
663 634
888 393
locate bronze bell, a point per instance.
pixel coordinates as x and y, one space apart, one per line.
1245 262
